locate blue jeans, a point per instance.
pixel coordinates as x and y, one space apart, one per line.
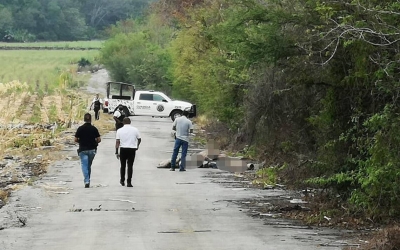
87 157
179 143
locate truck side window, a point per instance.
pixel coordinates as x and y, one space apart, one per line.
146 97
127 91
158 98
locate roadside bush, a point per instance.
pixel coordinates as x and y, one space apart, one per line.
267 176
83 62
276 113
18 36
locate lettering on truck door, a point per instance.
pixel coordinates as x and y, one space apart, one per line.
144 104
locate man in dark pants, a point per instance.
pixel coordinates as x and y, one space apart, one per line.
96 104
88 138
127 141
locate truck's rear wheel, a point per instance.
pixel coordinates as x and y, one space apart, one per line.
175 114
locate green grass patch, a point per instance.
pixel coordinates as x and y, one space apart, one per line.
266 176
40 67
74 44
36 115
53 113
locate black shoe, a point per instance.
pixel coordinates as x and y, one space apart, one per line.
182 170
129 185
87 185
172 169
122 183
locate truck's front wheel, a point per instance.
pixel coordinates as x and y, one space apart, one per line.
175 114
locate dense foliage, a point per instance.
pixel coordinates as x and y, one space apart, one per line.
65 20
309 85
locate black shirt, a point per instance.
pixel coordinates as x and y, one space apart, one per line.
87 134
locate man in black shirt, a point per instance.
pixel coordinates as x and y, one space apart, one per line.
88 138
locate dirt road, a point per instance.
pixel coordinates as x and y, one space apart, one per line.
97 83
164 210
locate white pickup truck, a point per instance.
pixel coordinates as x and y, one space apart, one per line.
143 102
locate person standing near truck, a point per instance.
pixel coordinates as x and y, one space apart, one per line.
183 127
96 104
119 116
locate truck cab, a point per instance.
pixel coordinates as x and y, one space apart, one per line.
144 102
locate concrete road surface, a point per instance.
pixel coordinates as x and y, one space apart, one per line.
164 210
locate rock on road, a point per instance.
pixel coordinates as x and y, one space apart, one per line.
164 210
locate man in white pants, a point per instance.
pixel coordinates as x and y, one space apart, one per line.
127 141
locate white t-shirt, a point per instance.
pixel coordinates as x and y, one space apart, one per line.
117 113
183 126
97 99
128 136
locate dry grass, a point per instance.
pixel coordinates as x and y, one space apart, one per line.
38 145
201 121
385 239
105 124
4 195
39 101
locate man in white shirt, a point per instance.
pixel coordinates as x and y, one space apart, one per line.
183 127
127 141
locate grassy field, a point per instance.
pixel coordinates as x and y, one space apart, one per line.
38 85
44 66
77 44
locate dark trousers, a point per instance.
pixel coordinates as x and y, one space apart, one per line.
97 113
127 155
118 126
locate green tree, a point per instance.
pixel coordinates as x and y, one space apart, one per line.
133 58
311 85
65 19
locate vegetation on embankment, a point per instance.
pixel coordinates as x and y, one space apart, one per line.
310 87
40 99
